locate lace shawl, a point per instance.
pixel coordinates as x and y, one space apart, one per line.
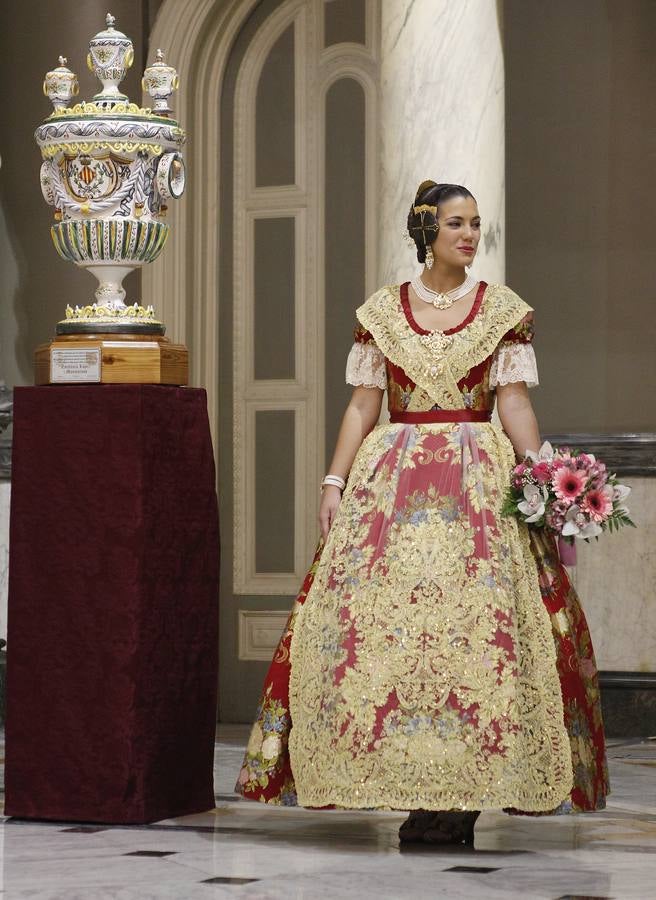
437 360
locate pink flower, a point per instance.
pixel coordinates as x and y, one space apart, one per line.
568 483
597 504
541 472
585 461
598 470
518 475
555 516
587 668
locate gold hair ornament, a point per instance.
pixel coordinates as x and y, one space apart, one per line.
427 227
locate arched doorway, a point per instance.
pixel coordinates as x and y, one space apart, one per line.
274 249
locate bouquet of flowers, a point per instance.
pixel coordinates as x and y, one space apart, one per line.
569 492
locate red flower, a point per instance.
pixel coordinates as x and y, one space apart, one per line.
541 472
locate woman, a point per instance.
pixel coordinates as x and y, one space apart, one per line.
418 670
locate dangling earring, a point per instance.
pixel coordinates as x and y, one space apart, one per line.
430 259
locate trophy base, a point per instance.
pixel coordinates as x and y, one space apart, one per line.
87 328
110 357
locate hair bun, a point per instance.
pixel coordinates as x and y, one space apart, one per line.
424 187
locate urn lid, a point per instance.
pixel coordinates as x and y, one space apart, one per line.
159 64
62 68
111 34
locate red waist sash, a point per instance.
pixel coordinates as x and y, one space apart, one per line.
430 416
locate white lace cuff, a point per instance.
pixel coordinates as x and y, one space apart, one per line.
514 362
365 366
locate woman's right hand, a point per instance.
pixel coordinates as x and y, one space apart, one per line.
331 497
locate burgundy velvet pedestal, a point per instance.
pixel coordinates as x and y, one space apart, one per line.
113 597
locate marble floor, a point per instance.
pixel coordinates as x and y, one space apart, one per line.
242 849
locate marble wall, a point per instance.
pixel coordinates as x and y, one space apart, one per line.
615 580
5 491
441 117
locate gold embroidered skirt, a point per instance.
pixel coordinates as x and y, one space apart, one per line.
423 668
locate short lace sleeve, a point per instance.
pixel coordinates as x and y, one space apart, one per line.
365 366
514 359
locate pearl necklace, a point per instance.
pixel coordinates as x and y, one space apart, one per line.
446 299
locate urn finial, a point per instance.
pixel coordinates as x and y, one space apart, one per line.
60 85
110 56
160 81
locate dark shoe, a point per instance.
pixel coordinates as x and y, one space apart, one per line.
451 828
412 830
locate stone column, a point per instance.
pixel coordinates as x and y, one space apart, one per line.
441 117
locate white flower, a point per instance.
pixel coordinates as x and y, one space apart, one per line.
271 746
578 526
533 504
620 491
545 452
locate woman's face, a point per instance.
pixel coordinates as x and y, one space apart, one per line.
460 231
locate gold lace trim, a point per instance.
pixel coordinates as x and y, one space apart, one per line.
437 361
396 610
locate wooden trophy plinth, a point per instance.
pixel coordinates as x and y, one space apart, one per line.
111 358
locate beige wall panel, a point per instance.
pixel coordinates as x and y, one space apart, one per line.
344 21
274 344
581 81
275 114
274 490
615 579
259 632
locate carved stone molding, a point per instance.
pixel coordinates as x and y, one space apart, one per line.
626 453
259 631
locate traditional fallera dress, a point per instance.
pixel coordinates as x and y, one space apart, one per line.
437 656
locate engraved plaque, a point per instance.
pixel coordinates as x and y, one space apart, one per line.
68 365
